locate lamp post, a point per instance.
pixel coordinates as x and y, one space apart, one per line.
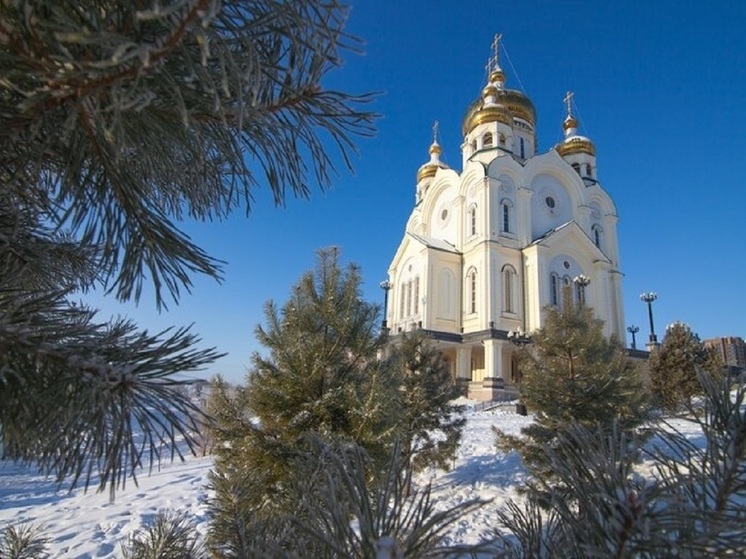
649 298
521 339
582 281
633 330
386 286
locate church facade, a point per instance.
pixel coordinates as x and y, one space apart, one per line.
486 250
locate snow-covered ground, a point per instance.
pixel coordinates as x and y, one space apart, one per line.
85 525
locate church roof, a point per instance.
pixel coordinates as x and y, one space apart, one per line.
568 226
551 232
437 244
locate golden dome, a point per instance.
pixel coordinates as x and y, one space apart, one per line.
510 104
570 122
575 144
497 76
489 90
429 169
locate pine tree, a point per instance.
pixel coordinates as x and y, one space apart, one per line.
674 365
323 376
119 119
430 425
574 375
692 505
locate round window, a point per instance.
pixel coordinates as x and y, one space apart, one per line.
550 202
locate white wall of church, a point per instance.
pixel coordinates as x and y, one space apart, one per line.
551 205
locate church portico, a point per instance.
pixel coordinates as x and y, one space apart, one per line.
485 251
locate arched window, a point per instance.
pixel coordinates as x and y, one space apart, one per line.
473 220
576 166
508 289
487 140
409 298
566 290
501 139
417 295
471 276
580 294
554 289
598 236
474 146
588 170
402 300
522 144
506 208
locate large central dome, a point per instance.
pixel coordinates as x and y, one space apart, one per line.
498 104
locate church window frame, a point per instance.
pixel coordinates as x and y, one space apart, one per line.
506 210
580 294
567 294
554 282
409 298
588 170
501 140
402 300
487 140
597 234
472 214
509 289
576 166
522 148
416 294
471 276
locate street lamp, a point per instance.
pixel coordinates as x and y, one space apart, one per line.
633 330
582 281
521 339
649 298
386 286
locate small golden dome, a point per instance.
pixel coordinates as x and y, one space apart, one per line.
429 169
570 122
576 144
497 76
489 91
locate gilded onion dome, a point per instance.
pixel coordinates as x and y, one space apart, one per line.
573 142
507 105
431 167
497 104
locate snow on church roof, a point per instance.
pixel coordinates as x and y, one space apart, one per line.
437 244
550 233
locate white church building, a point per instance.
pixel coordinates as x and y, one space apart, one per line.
486 250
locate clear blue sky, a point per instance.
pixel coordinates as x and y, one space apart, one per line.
660 86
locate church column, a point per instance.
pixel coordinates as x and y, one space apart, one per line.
493 356
600 300
463 363
536 286
617 313
523 215
611 242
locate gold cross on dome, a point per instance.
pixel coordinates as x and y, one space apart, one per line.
568 102
496 49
